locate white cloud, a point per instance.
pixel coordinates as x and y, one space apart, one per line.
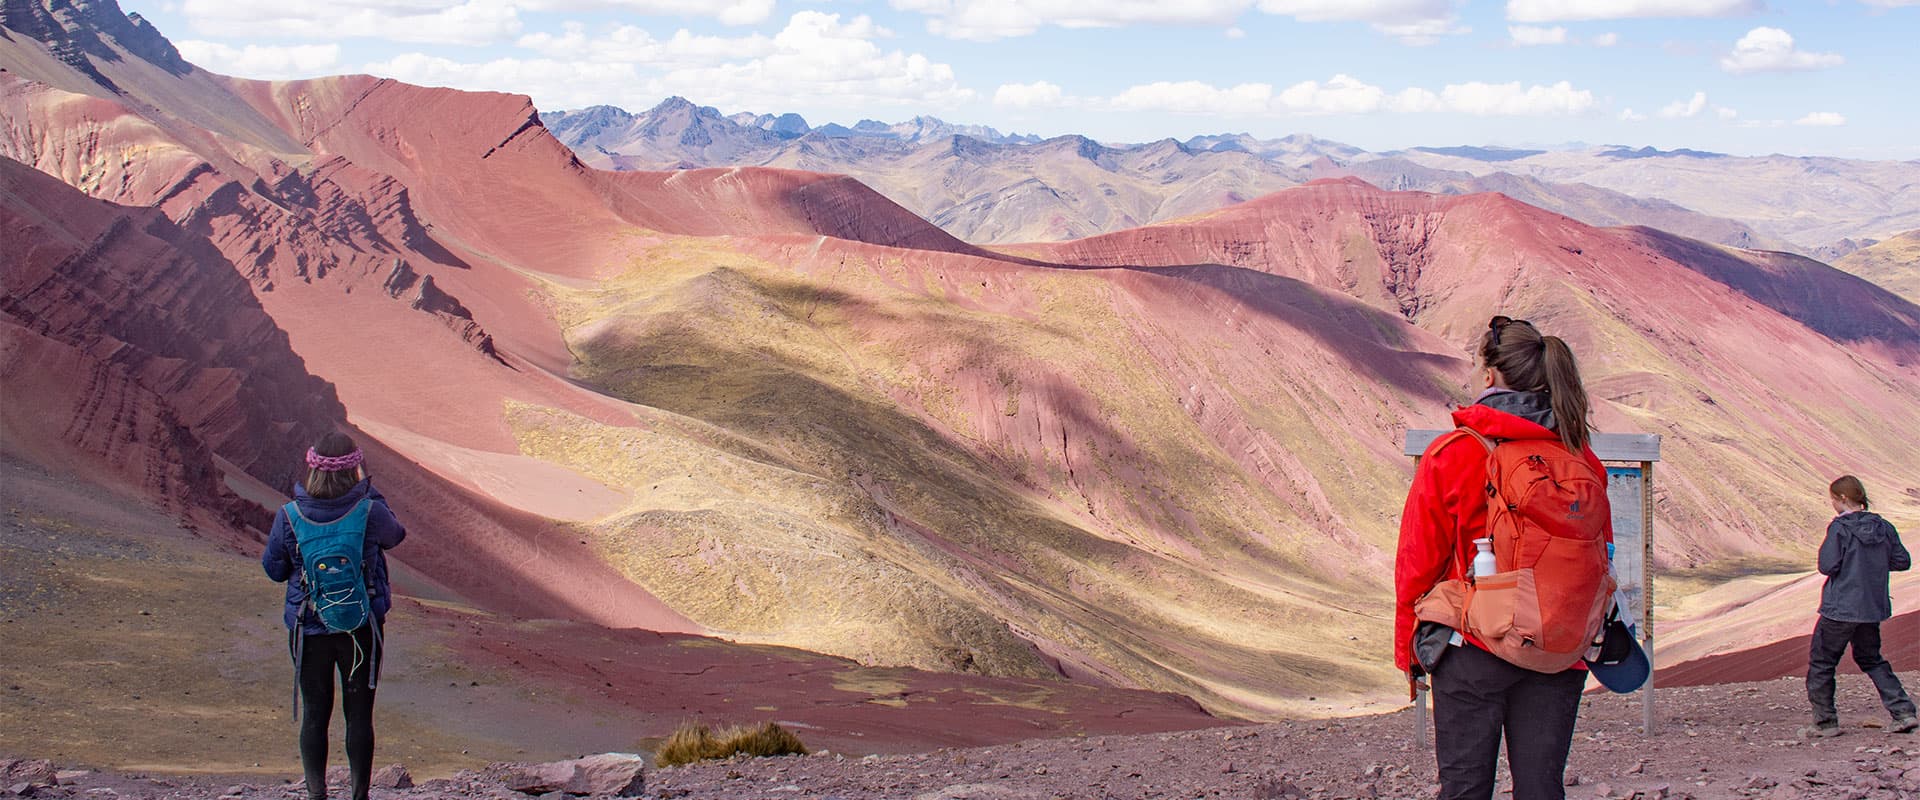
552 83
1236 33
1422 32
1892 3
1416 22
1821 118
1039 94
728 12
1341 94
1344 94
1385 11
1577 10
1194 97
1606 40
1510 99
987 20
423 21
821 60
1413 21
1631 115
263 62
1528 35
636 45
1681 109
1693 107
818 60
1766 49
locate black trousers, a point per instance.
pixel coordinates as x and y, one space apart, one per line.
1830 639
1479 698
355 659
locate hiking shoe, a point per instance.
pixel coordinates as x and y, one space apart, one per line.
1906 724
1826 731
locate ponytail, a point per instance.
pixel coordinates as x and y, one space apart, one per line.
1569 397
1850 489
1530 362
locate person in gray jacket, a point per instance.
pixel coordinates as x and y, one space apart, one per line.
1860 550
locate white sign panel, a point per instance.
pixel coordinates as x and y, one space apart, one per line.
1629 540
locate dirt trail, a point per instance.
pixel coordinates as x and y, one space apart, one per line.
1731 741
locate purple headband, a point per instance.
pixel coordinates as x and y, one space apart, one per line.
333 463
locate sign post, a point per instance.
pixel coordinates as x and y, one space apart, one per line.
1629 458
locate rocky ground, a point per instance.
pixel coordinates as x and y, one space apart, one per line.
1731 741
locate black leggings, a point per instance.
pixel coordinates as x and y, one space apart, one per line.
355 658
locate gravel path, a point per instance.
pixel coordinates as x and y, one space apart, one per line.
1733 741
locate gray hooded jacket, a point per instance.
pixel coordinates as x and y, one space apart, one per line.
1861 548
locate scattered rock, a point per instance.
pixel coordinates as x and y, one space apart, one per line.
620 774
982 791
36 772
393 776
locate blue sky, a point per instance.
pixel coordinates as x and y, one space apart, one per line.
1741 76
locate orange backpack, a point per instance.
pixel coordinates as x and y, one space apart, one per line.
1548 516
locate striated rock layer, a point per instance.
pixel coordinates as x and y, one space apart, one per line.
773 406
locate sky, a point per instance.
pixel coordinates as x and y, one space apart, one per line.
1749 77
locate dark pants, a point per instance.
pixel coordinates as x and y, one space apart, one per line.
1477 697
354 657
1830 639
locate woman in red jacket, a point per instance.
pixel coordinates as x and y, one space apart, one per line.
1533 391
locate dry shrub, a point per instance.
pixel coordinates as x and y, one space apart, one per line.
696 742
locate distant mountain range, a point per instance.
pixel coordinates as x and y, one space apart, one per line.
991 188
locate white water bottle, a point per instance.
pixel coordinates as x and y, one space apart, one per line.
1483 565
1483 562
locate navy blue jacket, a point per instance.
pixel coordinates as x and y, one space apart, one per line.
1860 549
384 531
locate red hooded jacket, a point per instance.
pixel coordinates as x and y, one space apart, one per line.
1447 509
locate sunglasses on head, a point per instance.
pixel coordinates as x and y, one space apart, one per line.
1500 322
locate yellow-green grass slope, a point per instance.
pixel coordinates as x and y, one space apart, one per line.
1013 478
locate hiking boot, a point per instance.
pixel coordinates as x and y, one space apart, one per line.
1823 731
1906 724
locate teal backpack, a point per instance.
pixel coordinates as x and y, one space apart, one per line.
330 555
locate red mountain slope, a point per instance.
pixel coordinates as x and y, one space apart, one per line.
137 354
1764 371
771 405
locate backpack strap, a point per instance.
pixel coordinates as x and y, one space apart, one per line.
1462 432
296 638
1490 444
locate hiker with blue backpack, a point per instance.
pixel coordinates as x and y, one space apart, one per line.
328 546
1502 580
1860 550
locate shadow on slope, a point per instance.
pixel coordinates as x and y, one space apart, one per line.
1838 305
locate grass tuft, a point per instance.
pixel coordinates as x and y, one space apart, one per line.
696 742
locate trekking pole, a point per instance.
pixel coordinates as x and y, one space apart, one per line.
1420 718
